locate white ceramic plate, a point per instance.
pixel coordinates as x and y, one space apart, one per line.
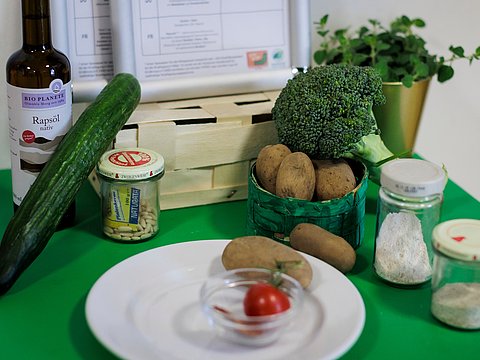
147 307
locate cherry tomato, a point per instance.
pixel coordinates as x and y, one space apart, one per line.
265 299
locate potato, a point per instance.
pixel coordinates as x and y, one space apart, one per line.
333 179
268 162
322 244
296 177
263 252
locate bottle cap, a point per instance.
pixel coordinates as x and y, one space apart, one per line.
412 177
131 164
459 239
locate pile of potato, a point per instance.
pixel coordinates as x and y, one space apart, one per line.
294 174
265 253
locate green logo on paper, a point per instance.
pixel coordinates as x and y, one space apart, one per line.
278 55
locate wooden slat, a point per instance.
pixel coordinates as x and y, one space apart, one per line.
223 108
225 112
127 138
180 200
200 102
222 145
174 200
186 180
228 112
231 174
162 138
272 95
162 115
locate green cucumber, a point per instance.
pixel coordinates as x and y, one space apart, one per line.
49 197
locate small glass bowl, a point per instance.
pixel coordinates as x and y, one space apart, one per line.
222 297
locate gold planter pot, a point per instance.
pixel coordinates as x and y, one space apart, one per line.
399 118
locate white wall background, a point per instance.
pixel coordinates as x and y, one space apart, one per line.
450 128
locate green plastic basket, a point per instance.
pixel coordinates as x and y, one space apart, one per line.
275 217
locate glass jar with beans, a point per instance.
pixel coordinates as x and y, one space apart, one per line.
129 193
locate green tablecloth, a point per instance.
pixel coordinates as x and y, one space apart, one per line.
43 317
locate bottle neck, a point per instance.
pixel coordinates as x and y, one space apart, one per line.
36 25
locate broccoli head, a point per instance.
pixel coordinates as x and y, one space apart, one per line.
326 113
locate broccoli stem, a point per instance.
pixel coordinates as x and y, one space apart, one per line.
373 153
372 149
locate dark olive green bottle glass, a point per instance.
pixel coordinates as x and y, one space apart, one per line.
39 100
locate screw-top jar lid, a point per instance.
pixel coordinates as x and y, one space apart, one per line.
131 164
412 177
459 239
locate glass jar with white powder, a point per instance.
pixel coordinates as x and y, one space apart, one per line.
409 205
456 273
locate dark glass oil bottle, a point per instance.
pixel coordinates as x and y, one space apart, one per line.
39 95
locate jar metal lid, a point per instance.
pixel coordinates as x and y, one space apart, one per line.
412 177
459 239
131 164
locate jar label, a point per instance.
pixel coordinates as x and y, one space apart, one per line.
129 214
38 120
124 206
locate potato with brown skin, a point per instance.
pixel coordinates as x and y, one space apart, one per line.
333 179
322 244
267 164
296 177
263 252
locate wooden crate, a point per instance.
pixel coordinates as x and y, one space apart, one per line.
208 144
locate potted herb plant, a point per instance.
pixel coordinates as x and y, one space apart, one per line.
406 66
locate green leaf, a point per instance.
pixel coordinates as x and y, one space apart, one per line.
370 40
382 68
323 33
332 54
418 23
356 43
382 46
384 59
323 20
445 72
405 20
347 57
358 59
421 71
319 56
362 31
477 51
343 40
457 50
400 72
414 59
340 32
407 81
